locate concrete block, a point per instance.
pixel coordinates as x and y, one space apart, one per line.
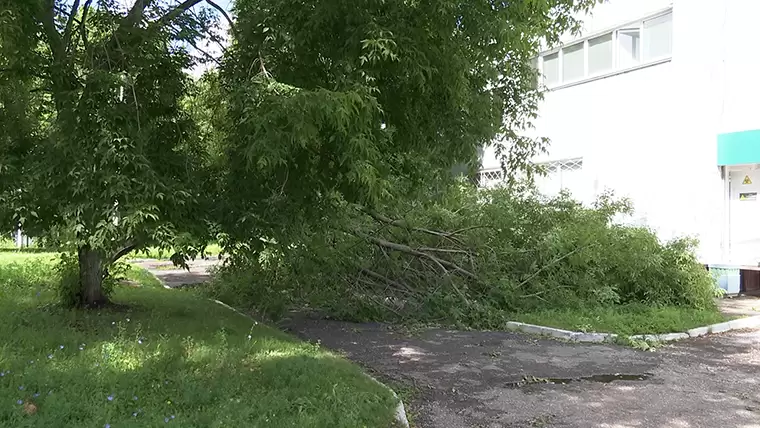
540 330
697 332
669 337
514 325
719 328
742 323
591 337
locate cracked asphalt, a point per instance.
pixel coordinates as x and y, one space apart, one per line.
470 379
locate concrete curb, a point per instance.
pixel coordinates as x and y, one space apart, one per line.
400 411
577 336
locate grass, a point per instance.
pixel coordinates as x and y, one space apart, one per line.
163 358
627 319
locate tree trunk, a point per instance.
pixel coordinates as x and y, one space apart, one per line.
91 277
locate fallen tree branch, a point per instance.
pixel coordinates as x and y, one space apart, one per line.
443 250
443 264
451 236
553 262
380 277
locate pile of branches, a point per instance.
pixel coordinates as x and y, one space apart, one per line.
469 258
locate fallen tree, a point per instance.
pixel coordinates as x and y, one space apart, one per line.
469 257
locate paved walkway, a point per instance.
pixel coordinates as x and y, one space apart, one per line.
174 277
740 306
498 379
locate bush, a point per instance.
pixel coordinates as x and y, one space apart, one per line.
468 257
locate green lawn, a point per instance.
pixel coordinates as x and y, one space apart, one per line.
628 319
163 358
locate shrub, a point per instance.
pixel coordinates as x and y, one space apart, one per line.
469 257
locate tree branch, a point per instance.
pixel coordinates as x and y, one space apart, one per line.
552 263
443 264
136 12
70 25
83 26
177 11
223 12
46 16
385 279
404 225
123 252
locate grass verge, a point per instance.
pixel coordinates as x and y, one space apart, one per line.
162 358
626 320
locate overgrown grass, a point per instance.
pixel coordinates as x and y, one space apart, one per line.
163 358
626 319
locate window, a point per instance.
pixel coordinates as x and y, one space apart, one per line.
573 63
600 54
643 42
551 69
560 175
658 37
563 175
629 47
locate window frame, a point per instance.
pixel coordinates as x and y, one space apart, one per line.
616 68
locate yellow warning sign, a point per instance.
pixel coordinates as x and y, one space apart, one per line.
747 180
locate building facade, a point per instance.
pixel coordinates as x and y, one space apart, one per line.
657 100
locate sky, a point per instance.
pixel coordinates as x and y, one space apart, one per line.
210 47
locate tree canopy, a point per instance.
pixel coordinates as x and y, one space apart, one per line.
105 136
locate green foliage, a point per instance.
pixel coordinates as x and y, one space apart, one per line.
108 146
470 257
357 101
154 355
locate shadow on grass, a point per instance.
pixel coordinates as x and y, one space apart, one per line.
170 357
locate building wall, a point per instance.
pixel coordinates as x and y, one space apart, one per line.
650 133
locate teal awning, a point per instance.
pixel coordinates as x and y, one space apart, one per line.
739 148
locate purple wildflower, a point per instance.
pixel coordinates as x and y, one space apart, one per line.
19 402
110 397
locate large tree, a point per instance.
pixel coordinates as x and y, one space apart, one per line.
94 139
318 105
341 102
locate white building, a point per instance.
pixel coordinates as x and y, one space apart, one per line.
658 101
